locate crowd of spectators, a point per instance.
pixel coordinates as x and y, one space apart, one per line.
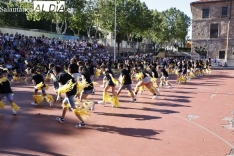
18 48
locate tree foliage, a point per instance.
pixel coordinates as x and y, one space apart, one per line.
134 19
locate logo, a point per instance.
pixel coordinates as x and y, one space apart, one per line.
2 9
49 6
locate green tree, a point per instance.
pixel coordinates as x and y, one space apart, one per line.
60 19
175 25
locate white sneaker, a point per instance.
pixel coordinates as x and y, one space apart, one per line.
51 104
101 102
169 87
158 89
155 97
34 104
14 112
102 86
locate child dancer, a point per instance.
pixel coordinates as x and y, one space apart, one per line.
126 82
164 77
38 82
70 88
5 90
144 80
110 82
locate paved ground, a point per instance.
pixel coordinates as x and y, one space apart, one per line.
193 119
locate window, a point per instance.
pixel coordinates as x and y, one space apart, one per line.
214 30
222 55
203 55
224 11
205 13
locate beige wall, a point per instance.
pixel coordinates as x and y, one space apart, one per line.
201 29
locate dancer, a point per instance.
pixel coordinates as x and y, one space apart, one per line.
87 85
109 82
90 67
5 90
70 89
164 77
38 82
126 82
73 68
144 80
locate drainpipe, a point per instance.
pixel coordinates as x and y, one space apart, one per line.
228 32
226 52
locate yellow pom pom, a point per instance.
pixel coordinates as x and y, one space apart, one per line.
15 107
47 77
38 98
67 87
115 101
46 87
170 71
182 79
153 79
39 86
14 78
49 98
121 79
65 105
192 75
106 97
2 104
95 83
114 81
141 89
139 76
84 114
98 72
4 79
87 104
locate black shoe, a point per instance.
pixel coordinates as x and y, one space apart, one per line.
81 124
59 119
134 100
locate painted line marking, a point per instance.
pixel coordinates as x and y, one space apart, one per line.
232 147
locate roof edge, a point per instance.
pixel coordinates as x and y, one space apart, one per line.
214 1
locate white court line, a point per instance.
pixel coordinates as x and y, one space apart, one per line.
206 130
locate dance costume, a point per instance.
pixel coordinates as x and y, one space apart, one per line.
40 85
5 90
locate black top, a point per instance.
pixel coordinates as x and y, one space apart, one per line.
109 79
146 73
180 68
128 68
88 80
164 72
5 87
38 78
91 70
153 71
63 78
74 68
127 79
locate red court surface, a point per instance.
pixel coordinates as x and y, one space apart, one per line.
193 119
